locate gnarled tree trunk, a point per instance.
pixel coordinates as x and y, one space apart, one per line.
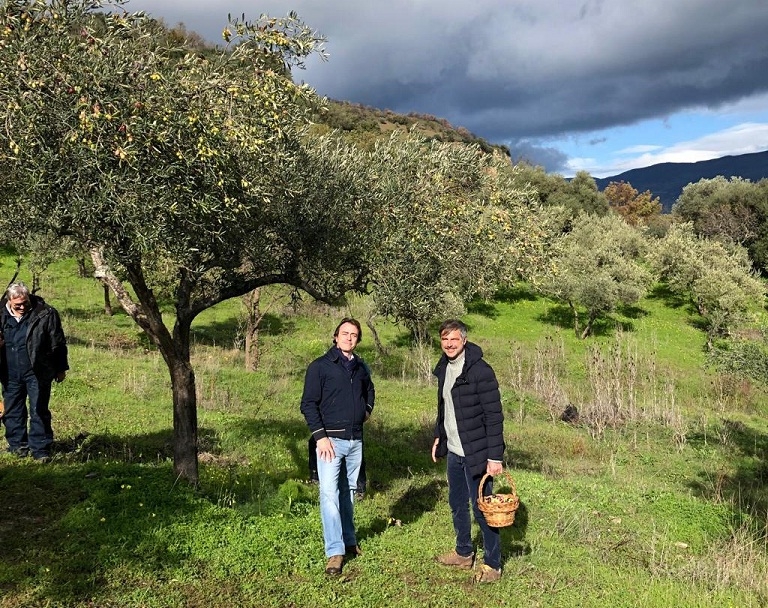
175 351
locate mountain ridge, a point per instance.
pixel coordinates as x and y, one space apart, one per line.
667 180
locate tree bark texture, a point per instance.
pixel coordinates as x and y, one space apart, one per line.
253 317
184 421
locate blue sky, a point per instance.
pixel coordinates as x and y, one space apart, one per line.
596 85
686 136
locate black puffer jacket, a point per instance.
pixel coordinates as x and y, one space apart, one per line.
46 344
335 403
477 402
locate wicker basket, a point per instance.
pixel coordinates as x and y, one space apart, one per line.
499 509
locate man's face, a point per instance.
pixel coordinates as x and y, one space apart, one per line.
347 337
452 343
19 305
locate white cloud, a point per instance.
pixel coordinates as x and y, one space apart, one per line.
639 149
744 138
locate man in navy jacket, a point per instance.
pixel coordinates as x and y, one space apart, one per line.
338 398
469 432
32 357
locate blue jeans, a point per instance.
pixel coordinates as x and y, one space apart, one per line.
462 489
40 435
337 494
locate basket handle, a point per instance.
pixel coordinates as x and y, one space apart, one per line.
486 476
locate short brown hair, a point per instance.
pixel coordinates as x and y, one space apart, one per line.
450 325
352 321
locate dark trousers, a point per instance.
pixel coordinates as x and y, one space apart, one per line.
40 435
462 490
362 480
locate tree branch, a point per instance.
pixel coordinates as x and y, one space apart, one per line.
104 273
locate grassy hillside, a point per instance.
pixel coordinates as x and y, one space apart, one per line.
656 498
366 124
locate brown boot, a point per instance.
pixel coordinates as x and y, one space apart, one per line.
354 550
334 565
457 561
486 574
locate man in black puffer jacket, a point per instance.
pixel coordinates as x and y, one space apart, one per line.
469 431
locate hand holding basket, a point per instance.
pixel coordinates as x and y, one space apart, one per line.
499 509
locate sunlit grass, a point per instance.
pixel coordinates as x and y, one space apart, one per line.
665 507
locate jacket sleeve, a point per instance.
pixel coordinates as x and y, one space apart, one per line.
310 401
493 417
370 398
439 431
59 352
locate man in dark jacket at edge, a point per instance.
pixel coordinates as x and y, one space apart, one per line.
469 431
33 355
338 398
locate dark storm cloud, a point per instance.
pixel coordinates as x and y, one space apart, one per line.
552 159
523 69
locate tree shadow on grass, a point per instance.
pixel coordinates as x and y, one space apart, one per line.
560 315
513 295
82 513
631 311
745 489
85 447
670 299
523 460
106 499
227 331
91 314
390 453
484 308
118 340
417 500
676 301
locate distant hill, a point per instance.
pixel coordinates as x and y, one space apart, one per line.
367 124
667 180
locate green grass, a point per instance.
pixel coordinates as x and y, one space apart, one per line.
664 507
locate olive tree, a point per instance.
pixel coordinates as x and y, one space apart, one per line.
596 266
731 210
452 226
717 279
184 175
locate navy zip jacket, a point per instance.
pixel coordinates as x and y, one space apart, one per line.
477 403
46 344
337 400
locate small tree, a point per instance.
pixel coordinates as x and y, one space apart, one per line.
596 266
716 279
581 195
636 209
184 175
730 210
452 226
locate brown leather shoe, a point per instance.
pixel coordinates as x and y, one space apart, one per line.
486 574
334 565
457 561
353 550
